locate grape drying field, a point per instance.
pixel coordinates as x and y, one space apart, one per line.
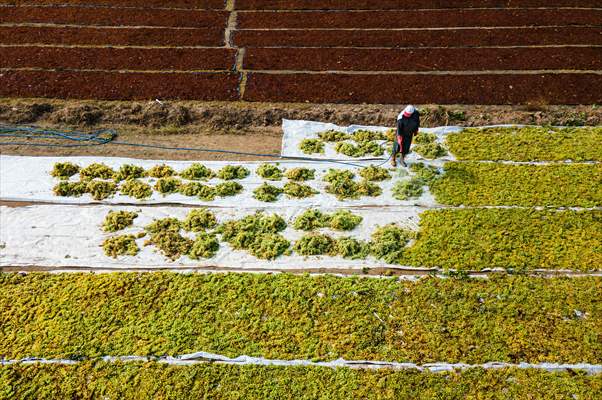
508 227
320 51
473 273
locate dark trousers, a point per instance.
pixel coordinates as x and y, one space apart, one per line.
406 142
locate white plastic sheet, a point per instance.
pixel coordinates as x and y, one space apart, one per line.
29 179
204 357
70 235
295 131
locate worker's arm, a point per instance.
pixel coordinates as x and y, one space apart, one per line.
418 122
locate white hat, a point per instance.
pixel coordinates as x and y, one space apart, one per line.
408 111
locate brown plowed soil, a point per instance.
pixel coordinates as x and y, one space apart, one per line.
442 89
476 37
201 4
90 73
463 59
107 58
119 86
112 36
417 19
401 5
114 16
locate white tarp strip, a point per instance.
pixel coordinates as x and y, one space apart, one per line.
65 236
29 179
203 357
411 274
69 238
295 131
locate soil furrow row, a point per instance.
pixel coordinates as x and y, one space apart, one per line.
332 72
117 58
402 5
189 4
120 70
464 88
120 86
442 89
115 17
151 46
416 19
431 73
465 59
104 46
394 38
112 36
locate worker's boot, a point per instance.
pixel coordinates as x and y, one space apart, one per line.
393 162
403 162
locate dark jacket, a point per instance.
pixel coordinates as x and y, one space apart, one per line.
407 127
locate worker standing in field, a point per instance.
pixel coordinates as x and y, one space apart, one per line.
408 123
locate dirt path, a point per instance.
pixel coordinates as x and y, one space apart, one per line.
240 126
268 141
